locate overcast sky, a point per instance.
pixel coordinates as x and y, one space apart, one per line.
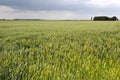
58 9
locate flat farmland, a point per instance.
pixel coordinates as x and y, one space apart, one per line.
59 50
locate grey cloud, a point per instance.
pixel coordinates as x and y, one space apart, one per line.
45 4
77 6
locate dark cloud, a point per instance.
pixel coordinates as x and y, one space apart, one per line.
74 6
57 5
45 4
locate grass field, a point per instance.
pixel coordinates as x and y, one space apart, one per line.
59 50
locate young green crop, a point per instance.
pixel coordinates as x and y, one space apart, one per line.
59 50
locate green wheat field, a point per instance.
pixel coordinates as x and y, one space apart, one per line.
59 50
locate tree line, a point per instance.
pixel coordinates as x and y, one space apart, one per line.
105 18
